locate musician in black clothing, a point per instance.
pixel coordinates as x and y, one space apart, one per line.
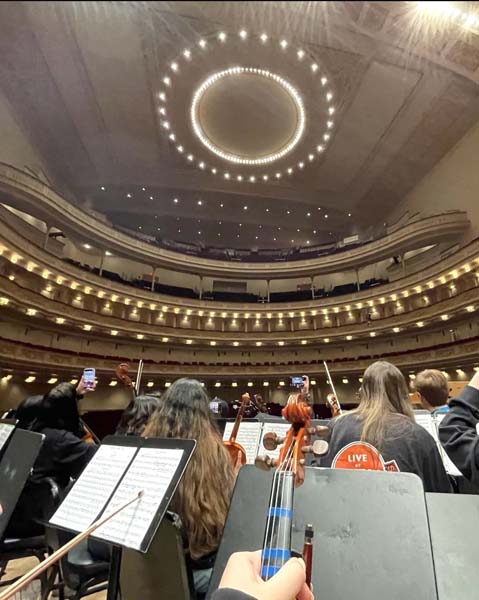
458 431
62 456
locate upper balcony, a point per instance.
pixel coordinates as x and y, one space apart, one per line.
22 191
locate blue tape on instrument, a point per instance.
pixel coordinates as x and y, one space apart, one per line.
276 511
269 571
282 553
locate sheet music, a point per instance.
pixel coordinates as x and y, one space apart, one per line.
151 471
281 429
248 436
6 429
94 487
431 425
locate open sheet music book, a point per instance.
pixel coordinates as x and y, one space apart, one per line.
6 430
431 423
250 436
120 469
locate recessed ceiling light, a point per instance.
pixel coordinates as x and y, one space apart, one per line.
331 110
174 66
324 81
175 200
128 195
200 202
349 337
278 175
329 96
265 177
103 188
108 253
179 230
267 210
201 165
243 34
222 36
190 157
319 148
330 124
308 214
172 137
179 148
256 237
87 246
326 137
151 197
187 53
314 67
396 329
227 175
166 80
259 343
314 231
300 54
325 216
239 177
290 170
308 242
311 156
221 205
301 165
283 44
213 171
202 43
274 239
245 207
162 96
263 37
288 212
237 235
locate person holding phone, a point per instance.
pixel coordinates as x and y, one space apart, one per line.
62 457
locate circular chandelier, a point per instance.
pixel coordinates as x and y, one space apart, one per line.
235 71
305 58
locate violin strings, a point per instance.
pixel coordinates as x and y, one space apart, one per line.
276 491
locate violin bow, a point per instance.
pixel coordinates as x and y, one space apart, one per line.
332 384
138 377
53 558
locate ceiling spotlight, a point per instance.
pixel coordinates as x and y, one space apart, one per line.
243 34
308 214
227 175
325 216
200 202
175 200
283 44
329 124
324 81
263 37
259 343
202 43
151 197
311 156
103 188
300 54
245 207
162 96
320 148
252 178
239 177
172 137
314 67
278 175
202 165
349 337
301 165
213 171
326 137
30 379
288 212
222 36
265 177
187 54
190 157
331 110
108 253
166 124
128 195
166 81
174 67
180 149
290 170
329 96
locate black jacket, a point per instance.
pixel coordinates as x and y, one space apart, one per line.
229 594
407 447
458 434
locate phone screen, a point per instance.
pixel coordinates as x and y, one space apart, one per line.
89 377
215 407
297 381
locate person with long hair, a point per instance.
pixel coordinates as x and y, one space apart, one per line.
203 495
135 416
381 434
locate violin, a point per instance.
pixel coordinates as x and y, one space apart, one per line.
289 474
88 435
332 400
236 451
122 373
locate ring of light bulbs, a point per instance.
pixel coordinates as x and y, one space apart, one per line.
221 38
235 71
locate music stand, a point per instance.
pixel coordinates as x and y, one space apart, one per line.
15 465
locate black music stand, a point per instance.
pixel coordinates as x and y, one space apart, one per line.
371 537
18 457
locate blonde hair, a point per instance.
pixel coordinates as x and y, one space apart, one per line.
384 397
203 495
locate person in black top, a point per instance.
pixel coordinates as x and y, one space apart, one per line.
135 416
381 434
241 580
458 431
62 456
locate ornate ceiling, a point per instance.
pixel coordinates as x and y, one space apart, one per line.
239 124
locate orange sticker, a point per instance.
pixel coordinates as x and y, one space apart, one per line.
359 455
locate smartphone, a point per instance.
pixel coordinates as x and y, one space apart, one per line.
297 381
89 378
215 407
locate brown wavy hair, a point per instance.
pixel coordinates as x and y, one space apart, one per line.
203 495
384 401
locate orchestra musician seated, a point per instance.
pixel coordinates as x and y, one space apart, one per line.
203 495
433 390
381 434
62 456
136 415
